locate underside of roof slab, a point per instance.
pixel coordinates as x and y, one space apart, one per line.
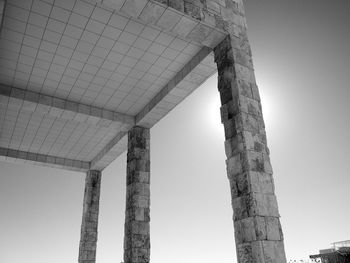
76 75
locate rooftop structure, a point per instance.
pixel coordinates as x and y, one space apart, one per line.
338 253
81 81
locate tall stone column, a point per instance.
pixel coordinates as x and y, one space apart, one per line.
137 212
258 232
88 234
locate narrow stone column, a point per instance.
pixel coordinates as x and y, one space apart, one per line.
88 234
137 212
258 232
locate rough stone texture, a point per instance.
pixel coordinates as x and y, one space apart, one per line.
217 13
88 235
258 232
180 17
137 212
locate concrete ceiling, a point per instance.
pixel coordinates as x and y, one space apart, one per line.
76 75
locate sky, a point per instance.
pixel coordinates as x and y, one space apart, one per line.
302 63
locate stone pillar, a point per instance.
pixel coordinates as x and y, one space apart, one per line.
258 232
88 234
137 212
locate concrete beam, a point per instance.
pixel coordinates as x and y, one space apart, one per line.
57 107
43 160
142 116
191 20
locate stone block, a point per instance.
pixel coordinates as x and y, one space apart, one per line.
137 177
261 252
242 207
229 110
245 73
88 237
255 142
254 204
245 230
225 85
249 106
261 183
230 15
140 241
260 228
234 145
138 189
219 22
140 255
245 253
273 228
208 17
274 252
89 226
255 92
213 7
138 214
139 201
234 165
89 255
138 154
138 137
192 10
253 161
177 4
242 57
230 129
243 88
88 246
222 54
240 185
138 165
248 122
266 205
140 228
267 164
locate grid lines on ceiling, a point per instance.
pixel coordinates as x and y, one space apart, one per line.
86 53
46 134
99 57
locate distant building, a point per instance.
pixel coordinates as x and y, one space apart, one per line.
338 253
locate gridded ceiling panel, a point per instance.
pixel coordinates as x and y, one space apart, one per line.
90 55
83 52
